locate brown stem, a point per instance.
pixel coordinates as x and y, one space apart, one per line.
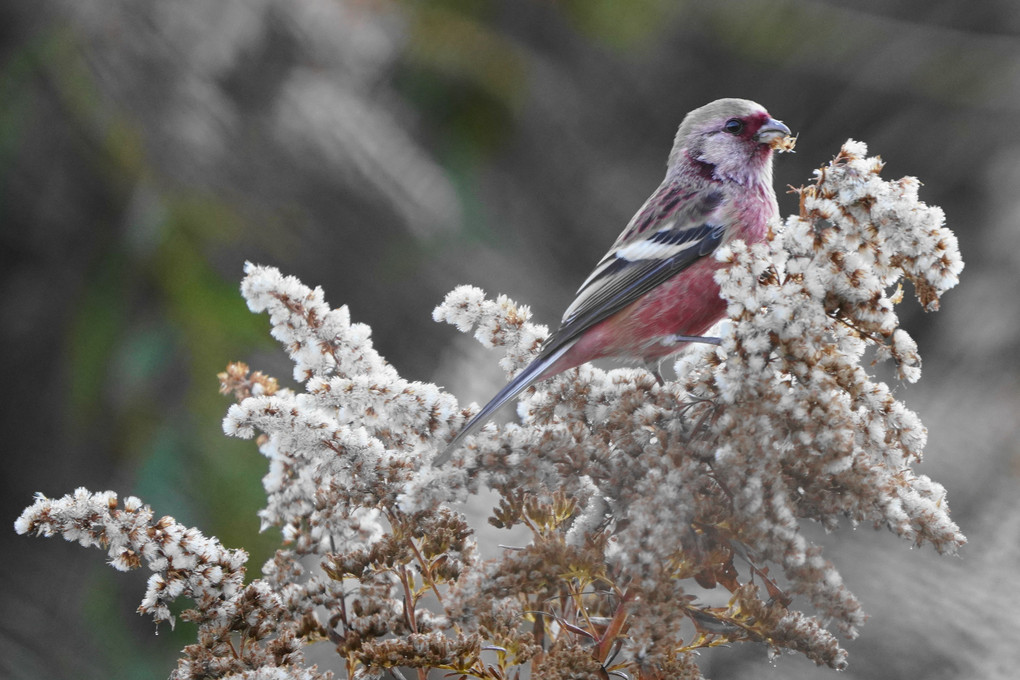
412 622
575 595
426 572
540 641
605 644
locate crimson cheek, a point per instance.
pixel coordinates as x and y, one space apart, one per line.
752 125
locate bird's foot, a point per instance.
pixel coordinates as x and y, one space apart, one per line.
670 340
677 339
655 368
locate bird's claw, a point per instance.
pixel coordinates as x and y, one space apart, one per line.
669 340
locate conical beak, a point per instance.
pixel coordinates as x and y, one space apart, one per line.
772 130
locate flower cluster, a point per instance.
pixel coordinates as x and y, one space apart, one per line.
658 512
184 564
184 561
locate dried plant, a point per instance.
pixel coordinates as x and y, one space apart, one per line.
664 518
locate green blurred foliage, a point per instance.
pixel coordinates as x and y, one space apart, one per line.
150 325
151 312
469 82
629 27
215 327
127 655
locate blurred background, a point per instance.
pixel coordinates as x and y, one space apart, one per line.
388 150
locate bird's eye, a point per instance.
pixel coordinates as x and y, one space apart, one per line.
734 126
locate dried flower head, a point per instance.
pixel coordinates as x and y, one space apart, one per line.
665 519
784 144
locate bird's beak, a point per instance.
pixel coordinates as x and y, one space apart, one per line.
772 130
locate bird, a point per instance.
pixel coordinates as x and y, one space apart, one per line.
654 290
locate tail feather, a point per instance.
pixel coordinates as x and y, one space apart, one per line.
521 382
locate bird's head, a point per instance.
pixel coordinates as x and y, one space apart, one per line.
731 138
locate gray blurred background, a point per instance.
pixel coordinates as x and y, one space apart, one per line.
389 150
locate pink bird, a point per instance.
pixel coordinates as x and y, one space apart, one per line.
654 291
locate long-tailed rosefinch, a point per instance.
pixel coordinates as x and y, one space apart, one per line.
654 290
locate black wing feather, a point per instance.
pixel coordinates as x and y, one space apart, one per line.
644 275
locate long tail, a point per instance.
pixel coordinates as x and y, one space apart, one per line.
530 375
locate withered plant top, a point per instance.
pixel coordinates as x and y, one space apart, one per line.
645 502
